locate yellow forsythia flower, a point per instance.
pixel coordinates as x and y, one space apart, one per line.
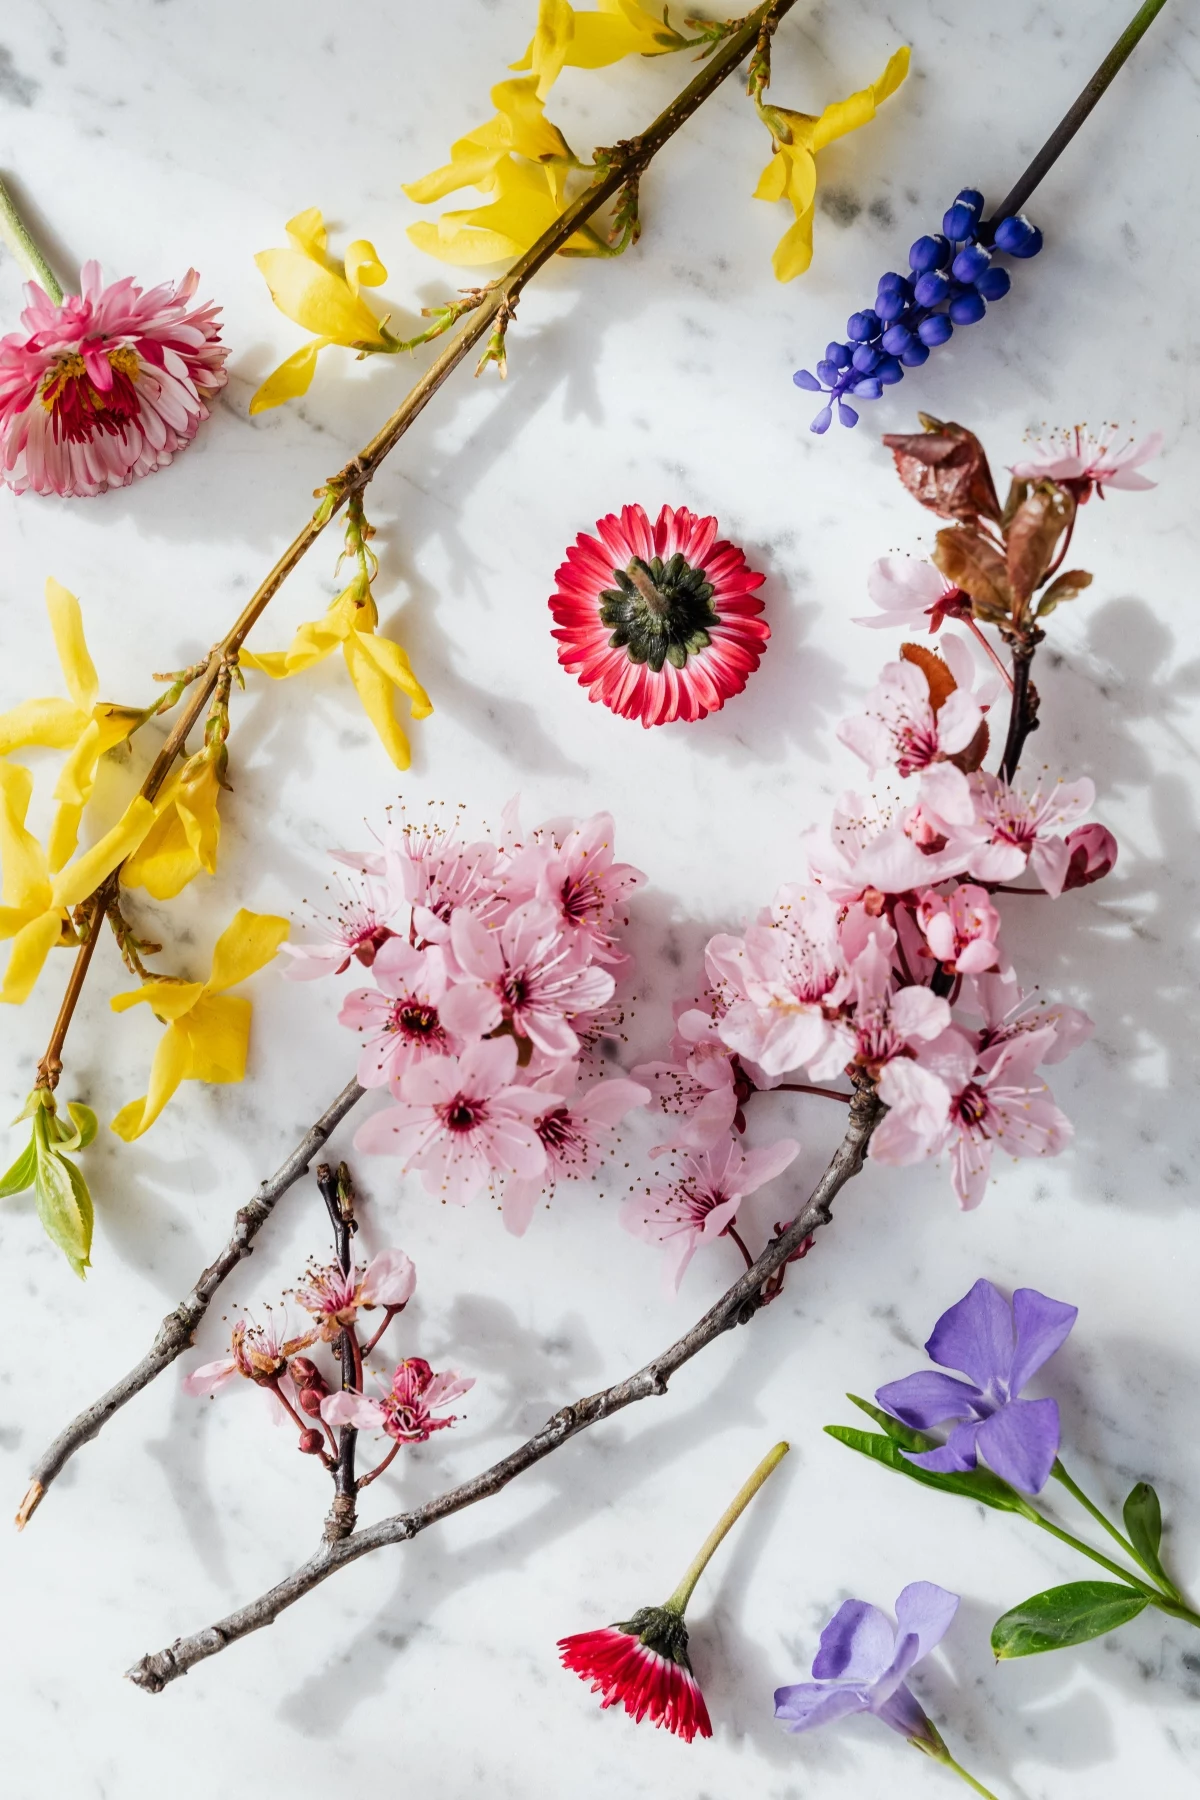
792 172
208 1030
323 296
530 192
82 725
183 838
36 903
376 664
566 37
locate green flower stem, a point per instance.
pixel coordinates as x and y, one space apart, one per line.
948 1762
15 233
729 1517
1073 1488
1176 1608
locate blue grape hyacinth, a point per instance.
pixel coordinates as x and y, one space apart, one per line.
951 278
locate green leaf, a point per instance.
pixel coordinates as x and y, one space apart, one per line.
1065 1615
973 1484
85 1122
1143 1521
904 1435
22 1173
64 1207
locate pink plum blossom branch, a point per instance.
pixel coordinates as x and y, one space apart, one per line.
178 1330
737 1306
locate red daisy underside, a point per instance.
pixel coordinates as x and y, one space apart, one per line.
709 677
627 1673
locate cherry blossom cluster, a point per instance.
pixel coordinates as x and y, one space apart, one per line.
494 967
408 1407
888 962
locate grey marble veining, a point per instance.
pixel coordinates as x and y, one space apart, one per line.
158 136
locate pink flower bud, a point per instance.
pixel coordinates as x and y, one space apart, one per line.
311 1443
307 1375
311 1398
1093 851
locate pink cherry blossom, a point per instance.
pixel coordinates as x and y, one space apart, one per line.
889 848
889 1021
257 1353
461 1120
1092 849
702 1201
405 1411
333 1296
949 1100
783 974
1008 1015
523 972
107 386
962 929
902 727
574 1133
1076 457
910 594
356 932
571 868
1016 827
699 1088
399 1018
435 873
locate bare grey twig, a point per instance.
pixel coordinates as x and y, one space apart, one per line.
178 1329
737 1306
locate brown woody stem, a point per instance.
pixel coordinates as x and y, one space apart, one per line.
178 1330
737 1306
629 159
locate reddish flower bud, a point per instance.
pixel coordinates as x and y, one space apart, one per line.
307 1375
311 1442
1093 852
311 1398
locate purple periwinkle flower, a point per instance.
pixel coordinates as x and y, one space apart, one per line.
1000 1348
863 1661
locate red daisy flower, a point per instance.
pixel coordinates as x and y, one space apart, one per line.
643 1664
660 621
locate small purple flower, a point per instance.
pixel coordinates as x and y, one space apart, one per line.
1000 1347
863 1661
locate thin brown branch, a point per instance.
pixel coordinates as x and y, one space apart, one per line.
497 305
1023 717
178 1329
737 1306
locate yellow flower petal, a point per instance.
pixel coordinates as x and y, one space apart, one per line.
218 1032
171 1065
83 876
31 946
184 837
526 129
859 109
317 299
551 40
53 724
246 945
393 663
291 379
363 267
307 232
270 662
26 885
166 999
66 622
375 692
793 253
526 207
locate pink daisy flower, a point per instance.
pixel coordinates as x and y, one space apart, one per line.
461 1120
106 386
659 622
642 1665
405 1412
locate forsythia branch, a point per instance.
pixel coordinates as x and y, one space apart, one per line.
737 1306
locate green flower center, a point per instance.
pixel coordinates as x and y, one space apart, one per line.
659 612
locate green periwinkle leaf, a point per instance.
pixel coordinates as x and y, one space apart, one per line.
904 1435
972 1484
1062 1616
1143 1521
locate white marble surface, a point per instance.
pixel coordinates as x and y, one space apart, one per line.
157 135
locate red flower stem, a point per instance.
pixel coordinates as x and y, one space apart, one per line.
731 1231
276 1389
389 1314
973 628
733 1512
366 1480
804 1087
